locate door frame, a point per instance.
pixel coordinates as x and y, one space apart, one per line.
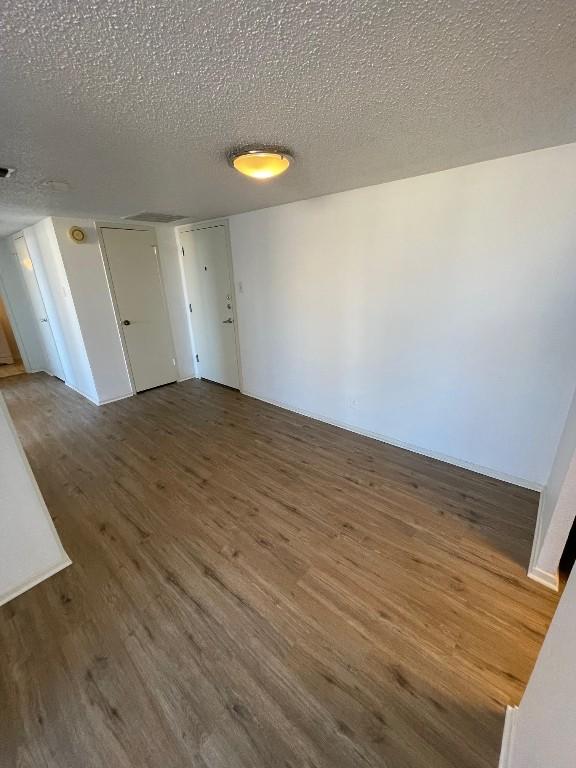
100 225
210 224
15 329
25 356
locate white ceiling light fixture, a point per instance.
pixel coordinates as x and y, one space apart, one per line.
261 162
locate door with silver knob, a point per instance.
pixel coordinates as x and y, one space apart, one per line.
209 286
139 295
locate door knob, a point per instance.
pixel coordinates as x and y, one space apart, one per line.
229 320
43 319
126 322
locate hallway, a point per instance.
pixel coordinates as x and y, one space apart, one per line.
254 588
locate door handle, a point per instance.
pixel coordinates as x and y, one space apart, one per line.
43 319
126 322
229 320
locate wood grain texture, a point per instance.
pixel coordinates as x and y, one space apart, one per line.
253 589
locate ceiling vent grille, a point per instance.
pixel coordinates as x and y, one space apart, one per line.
158 218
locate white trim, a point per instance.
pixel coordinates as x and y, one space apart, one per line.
536 542
548 579
507 749
478 469
95 401
82 394
35 580
115 399
187 378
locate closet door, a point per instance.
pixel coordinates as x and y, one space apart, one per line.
139 293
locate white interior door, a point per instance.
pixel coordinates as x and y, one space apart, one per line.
52 362
209 286
135 271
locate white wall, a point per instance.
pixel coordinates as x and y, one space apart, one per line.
30 549
436 312
557 506
51 275
19 309
92 301
543 728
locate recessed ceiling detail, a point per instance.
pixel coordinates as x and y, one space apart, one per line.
157 218
135 107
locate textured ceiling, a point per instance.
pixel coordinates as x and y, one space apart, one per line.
134 103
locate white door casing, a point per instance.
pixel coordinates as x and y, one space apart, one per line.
209 287
139 298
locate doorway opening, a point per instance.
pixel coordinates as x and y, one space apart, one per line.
568 555
10 358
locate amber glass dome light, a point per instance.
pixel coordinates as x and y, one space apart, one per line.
261 162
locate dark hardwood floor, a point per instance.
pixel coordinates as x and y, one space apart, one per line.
251 588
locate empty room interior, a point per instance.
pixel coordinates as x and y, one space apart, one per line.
287 384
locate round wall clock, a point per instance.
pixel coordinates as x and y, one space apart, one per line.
77 235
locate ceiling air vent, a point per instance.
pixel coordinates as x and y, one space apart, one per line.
5 173
159 218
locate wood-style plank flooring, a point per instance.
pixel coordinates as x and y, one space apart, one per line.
11 369
254 589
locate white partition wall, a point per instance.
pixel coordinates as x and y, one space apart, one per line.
541 732
30 550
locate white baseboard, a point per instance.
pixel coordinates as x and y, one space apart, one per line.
535 573
480 470
550 580
83 394
188 378
115 399
506 750
98 402
35 580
